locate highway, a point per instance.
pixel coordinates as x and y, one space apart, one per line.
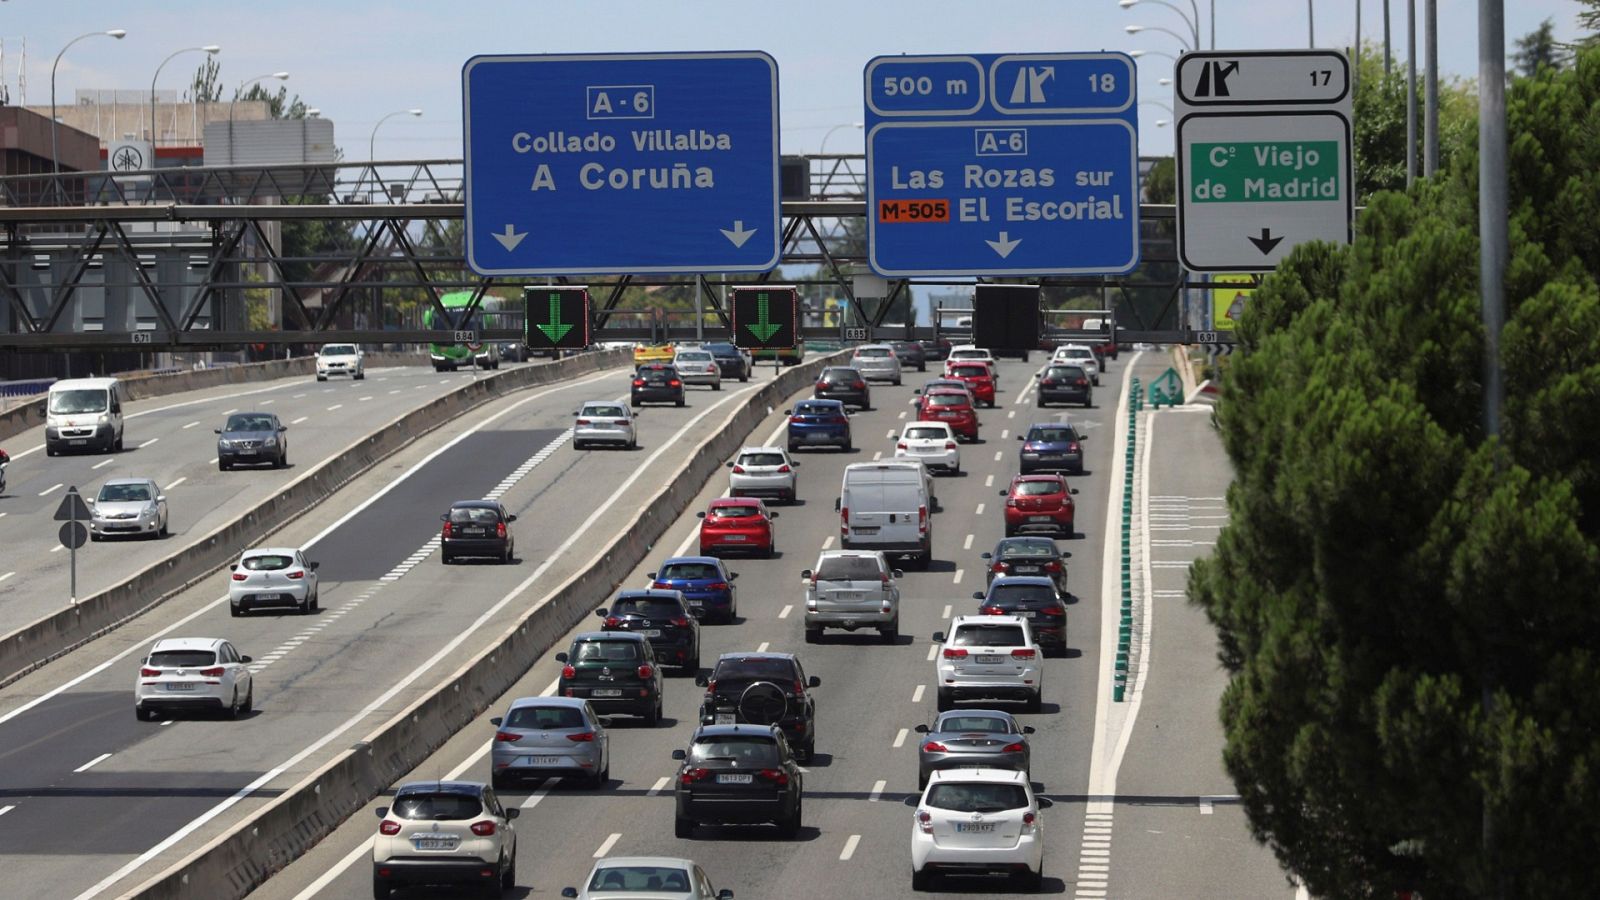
94 801
169 439
856 835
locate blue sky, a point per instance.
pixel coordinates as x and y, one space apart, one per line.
357 60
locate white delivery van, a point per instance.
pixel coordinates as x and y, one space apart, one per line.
887 506
83 414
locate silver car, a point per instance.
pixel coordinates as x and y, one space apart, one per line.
272 577
852 589
543 736
661 877
876 361
130 506
604 422
698 367
973 738
763 472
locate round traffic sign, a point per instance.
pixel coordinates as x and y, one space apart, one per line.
73 535
474 346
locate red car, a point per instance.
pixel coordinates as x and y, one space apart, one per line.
954 408
1039 503
737 524
979 379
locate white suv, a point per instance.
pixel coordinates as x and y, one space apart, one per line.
978 821
341 359
990 656
444 832
205 674
852 589
931 443
763 472
1079 355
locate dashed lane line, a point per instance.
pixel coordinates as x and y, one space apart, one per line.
849 848
900 738
784 613
876 793
53 487
299 420
190 425
933 650
92 763
658 787
176 483
102 465
607 844
916 695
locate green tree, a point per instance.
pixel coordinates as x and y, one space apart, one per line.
1538 50
1379 107
1387 567
1589 18
1160 183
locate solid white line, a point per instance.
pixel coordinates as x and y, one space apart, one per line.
607 844
660 784
51 488
92 763
57 548
916 695
900 738
190 425
176 483
102 465
364 849
784 613
877 791
6 575
849 848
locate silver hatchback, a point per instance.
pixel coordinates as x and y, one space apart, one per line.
604 422
876 361
128 506
852 589
543 736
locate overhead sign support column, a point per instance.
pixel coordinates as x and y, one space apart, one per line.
1264 159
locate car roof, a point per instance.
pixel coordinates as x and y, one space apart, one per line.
724 502
818 401
663 862
996 776
986 620
475 504
628 636
1028 539
1035 580
757 654
1037 477
194 643
646 593
564 702
686 351
691 559
835 554
270 551
766 449
111 481
730 730
944 425
621 403
877 346
80 383
468 788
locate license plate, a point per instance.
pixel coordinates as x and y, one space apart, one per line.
850 596
1027 570
738 537
697 603
472 532
434 843
607 692
180 686
1040 519
734 779
247 453
871 530
974 827
543 760
78 441
726 719
649 632
988 660
1025 613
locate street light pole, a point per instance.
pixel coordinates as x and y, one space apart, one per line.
1135 29
55 153
1194 23
1411 92
281 76
1311 24
372 153
1430 117
211 49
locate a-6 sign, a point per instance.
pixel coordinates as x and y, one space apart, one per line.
557 318
765 318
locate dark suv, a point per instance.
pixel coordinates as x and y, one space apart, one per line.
844 384
615 671
665 621
657 383
911 354
763 689
1034 598
737 774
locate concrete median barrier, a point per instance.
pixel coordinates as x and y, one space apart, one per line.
35 644
235 862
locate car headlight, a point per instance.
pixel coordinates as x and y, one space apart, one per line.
224 444
269 441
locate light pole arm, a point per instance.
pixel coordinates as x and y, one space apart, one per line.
1194 27
1180 38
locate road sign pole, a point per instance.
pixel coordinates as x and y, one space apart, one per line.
72 558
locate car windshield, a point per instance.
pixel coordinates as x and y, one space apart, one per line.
848 568
970 371
248 422
689 571
836 374
270 562
754 751
988 636
723 349
125 493
442 807
977 796
926 433
1036 488
1064 372
1022 593
648 608
970 354
761 459
694 355
1060 435
816 409
736 512
1032 548
1076 353
545 718
640 878
605 410
964 722
339 350
74 403
879 352
946 400
182 659
751 668
658 374
607 651
474 515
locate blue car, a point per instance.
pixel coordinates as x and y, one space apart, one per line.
1051 447
818 423
706 584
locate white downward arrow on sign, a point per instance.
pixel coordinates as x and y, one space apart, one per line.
738 235
1004 246
509 238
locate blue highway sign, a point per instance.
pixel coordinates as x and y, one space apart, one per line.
621 163
1002 164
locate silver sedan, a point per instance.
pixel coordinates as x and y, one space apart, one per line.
604 422
973 738
128 506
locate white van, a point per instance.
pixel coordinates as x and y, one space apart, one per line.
83 414
887 506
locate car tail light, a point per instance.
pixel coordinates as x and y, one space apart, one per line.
1054 611
711 368
776 776
584 422
681 621
447 530
1072 447
844 528
388 827
991 611
483 829
1028 818
674 383
950 445
925 822
1082 382
1013 748
901 446
711 686
646 672
240 576
799 688
690 776
934 747
955 653
612 621
717 586
738 470
794 419
1024 653
297 574
638 382
1053 565
149 673
1011 502
860 385
568 672
998 568
1047 381
619 421
507 737
212 672
582 737
500 530
922 519
785 468
839 420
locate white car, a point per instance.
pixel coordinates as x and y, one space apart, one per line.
978 821
268 577
201 674
604 422
971 353
764 472
931 443
990 657
1079 355
626 877
341 359
698 366
445 832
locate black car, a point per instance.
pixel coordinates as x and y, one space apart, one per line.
1028 555
736 775
844 384
911 354
615 671
657 383
1033 598
477 528
731 360
665 621
1064 384
936 348
252 438
762 689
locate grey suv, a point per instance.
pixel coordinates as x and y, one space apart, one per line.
852 589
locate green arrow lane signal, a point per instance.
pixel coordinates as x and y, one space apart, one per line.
554 330
763 329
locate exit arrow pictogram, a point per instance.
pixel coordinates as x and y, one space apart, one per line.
554 330
763 329
1266 241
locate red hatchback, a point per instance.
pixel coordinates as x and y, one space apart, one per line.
737 524
954 408
978 377
1039 503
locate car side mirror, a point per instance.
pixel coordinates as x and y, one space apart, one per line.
245 659
1038 374
788 413
814 682
733 576
1021 437
496 721
679 755
577 414
1066 554
795 463
1073 490
1002 493
561 657
805 574
313 566
896 573
938 637
977 595
699 515
986 556
1082 438
511 518
921 729
282 428
1027 729
772 515
913 801
569 892
600 613
513 812
382 811
1045 802
725 894
836 504
216 431
650 575
160 498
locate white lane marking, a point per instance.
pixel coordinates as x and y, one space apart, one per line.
979 510
265 402
967 544
946 613
877 456
849 848
933 650
190 425
959 573
1012 414
336 406
916 695
363 399
229 412
6 809
1300 892
892 434
827 542
212 462
148 443
166 722
607 844
540 794
176 483
999 455
877 791
763 647
56 549
297 396
360 851
900 738
299 420
988 481
102 465
92 763
784 613
1005 433
395 391
658 787
6 575
902 414
53 487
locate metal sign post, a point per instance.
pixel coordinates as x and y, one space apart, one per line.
73 534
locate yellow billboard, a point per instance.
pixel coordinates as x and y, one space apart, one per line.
1227 303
